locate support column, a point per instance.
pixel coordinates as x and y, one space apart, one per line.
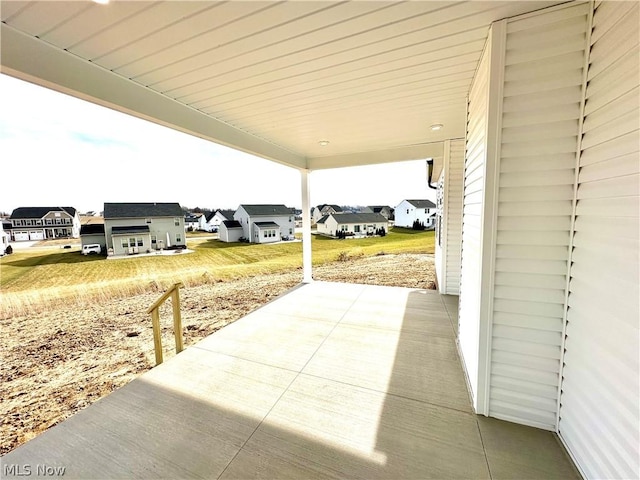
306 228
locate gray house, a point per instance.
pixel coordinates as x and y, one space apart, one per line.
40 223
132 228
265 223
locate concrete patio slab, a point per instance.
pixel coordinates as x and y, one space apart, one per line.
327 381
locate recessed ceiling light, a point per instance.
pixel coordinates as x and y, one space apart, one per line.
101 2
323 143
437 126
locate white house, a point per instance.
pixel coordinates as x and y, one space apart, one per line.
320 211
195 221
265 223
545 96
132 228
40 223
215 219
408 211
352 224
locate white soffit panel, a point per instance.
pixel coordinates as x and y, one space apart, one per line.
366 76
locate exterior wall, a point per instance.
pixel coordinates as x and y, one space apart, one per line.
472 225
230 235
599 419
404 219
542 92
549 301
159 227
449 234
259 234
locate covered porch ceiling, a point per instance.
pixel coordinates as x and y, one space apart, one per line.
274 79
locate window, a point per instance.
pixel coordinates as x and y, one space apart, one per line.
48 221
29 223
291 231
426 210
38 222
57 214
343 228
132 242
356 228
176 222
140 242
125 244
407 211
147 220
178 238
154 239
58 221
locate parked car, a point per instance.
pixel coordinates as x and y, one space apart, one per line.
91 248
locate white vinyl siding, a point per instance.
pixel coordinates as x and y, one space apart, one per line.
472 206
599 418
540 126
448 249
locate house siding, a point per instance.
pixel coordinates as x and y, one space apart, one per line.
472 225
449 235
599 419
543 72
158 227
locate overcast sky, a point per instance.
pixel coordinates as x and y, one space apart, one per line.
57 150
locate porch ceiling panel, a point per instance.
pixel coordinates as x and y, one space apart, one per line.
366 76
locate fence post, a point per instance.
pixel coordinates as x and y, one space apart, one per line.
157 337
177 319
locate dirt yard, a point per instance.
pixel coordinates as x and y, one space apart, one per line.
58 362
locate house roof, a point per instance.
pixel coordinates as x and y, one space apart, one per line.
130 229
344 218
267 225
323 219
231 224
227 213
39 212
422 203
336 208
137 210
92 229
266 209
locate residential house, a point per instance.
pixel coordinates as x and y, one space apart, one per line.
265 223
325 209
355 224
132 228
43 223
545 96
195 221
215 219
230 231
408 211
384 210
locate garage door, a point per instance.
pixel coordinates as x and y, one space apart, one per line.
21 236
36 235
